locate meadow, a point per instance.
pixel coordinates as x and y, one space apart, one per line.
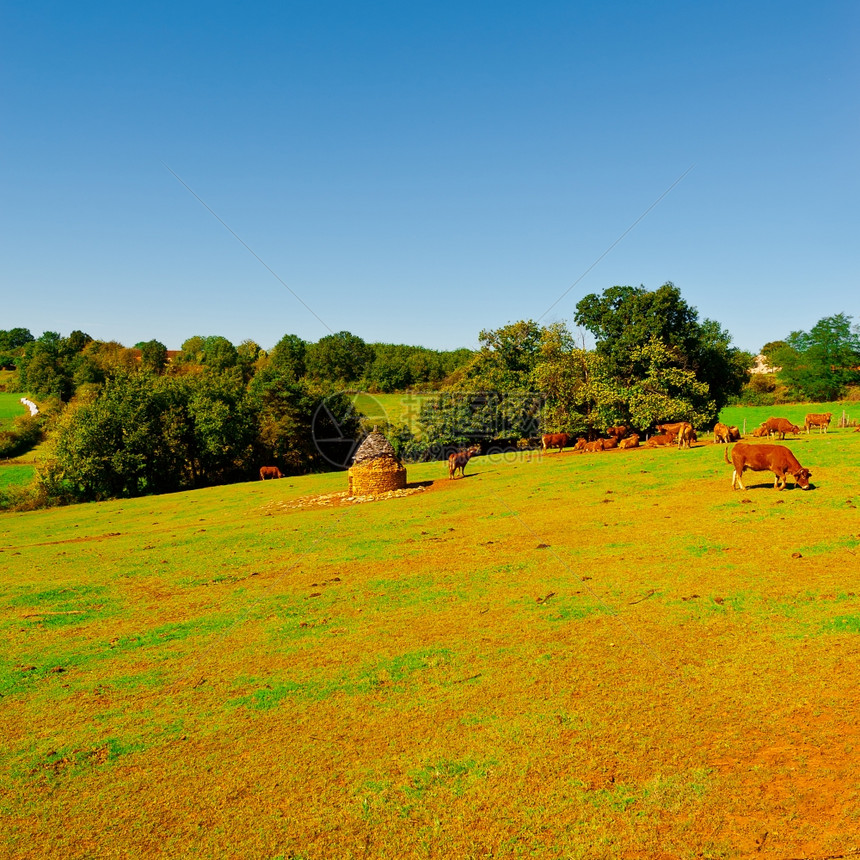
559 656
396 408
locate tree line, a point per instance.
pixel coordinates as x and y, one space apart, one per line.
129 421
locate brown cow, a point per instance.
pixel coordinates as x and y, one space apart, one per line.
660 439
821 420
760 431
618 431
780 426
594 447
267 472
686 435
580 444
459 459
631 441
766 458
610 443
671 429
554 440
721 434
734 434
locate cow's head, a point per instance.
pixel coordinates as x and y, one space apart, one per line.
802 477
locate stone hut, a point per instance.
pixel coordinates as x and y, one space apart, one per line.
375 468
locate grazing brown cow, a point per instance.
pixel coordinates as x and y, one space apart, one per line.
554 440
631 441
780 426
267 472
660 439
766 458
617 432
734 434
760 431
821 420
721 434
459 459
686 435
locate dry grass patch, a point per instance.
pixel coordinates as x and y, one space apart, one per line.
559 656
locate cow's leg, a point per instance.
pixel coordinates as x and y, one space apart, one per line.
736 478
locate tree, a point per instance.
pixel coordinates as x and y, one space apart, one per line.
153 355
218 353
114 445
341 357
12 343
288 356
507 358
626 320
819 364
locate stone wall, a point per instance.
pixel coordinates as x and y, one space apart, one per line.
379 475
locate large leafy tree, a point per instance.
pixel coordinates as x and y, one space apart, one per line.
581 396
153 355
820 363
625 320
113 445
288 357
341 357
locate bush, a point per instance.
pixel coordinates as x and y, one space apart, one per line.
25 433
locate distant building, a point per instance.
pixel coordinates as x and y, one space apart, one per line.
761 366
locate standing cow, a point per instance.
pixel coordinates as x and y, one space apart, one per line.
821 420
459 460
554 440
267 472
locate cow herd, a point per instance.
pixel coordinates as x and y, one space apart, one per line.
744 456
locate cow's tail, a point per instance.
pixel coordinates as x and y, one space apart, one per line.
726 455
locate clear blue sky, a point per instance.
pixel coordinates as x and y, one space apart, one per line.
417 172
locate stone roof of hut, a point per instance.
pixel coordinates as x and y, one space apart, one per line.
375 445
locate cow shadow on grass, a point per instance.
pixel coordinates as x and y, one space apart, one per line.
768 485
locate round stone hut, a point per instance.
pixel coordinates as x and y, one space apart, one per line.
375 468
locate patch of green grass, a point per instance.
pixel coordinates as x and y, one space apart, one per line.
842 624
381 675
11 406
66 606
15 475
395 408
175 632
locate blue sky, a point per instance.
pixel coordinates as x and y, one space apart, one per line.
417 172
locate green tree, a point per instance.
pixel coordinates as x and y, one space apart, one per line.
288 357
218 353
821 363
153 355
625 320
113 445
339 358
12 343
507 358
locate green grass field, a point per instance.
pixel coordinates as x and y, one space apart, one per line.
396 408
560 656
795 412
11 406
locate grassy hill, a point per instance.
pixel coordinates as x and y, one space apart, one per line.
609 655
